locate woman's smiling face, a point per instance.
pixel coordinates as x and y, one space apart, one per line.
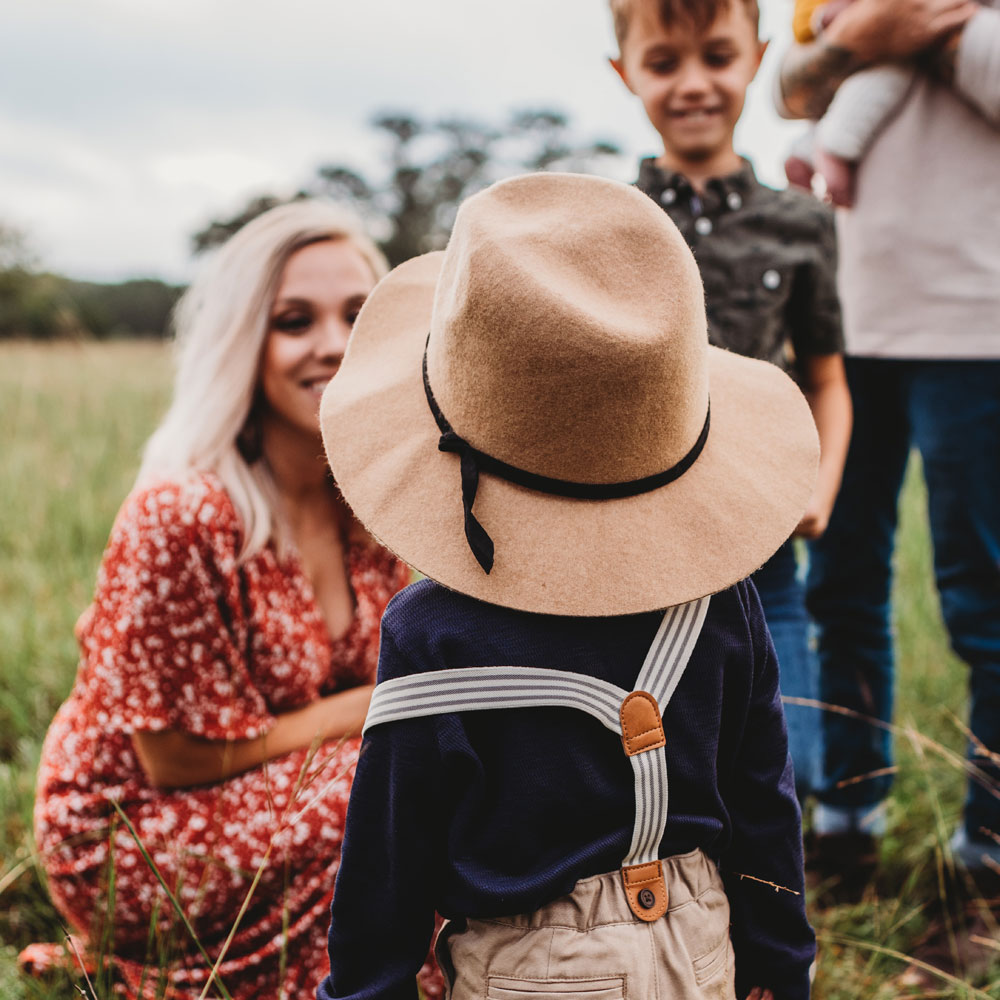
320 293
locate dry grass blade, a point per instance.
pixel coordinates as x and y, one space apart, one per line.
178 909
83 968
914 735
236 923
11 876
879 949
985 941
301 784
773 885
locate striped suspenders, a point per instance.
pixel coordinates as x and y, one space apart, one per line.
636 716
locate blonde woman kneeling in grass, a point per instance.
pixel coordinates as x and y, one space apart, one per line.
228 657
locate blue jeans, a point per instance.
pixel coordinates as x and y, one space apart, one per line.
782 595
949 411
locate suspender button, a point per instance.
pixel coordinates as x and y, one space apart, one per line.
647 899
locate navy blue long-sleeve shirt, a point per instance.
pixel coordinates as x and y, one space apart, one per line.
490 813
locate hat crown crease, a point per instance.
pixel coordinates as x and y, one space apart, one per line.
570 343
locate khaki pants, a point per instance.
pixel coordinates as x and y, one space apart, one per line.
589 945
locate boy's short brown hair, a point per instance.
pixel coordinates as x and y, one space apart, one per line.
698 13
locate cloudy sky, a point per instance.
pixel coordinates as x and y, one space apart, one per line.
125 125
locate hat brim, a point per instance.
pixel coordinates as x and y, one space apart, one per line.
703 532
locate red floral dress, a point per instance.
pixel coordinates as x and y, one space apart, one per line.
180 637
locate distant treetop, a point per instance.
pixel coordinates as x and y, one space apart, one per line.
430 168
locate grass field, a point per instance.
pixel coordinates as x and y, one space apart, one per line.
74 418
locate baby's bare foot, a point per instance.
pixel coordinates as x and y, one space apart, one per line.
838 174
799 172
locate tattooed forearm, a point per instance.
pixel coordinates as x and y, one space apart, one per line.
811 75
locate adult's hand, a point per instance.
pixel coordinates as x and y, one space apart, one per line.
894 30
868 31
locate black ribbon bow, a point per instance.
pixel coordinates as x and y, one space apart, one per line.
475 534
473 461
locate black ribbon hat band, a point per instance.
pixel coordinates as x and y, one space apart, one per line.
474 461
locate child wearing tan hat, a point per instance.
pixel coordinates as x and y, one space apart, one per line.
594 792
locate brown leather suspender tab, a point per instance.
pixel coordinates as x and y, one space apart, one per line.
642 730
642 727
646 890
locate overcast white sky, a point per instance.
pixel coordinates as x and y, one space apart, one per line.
126 124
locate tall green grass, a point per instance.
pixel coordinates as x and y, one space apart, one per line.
860 944
74 417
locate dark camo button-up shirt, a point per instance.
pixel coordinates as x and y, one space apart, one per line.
768 260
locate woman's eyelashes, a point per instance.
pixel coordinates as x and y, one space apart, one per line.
296 321
293 321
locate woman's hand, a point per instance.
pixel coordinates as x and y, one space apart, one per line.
175 759
759 993
343 713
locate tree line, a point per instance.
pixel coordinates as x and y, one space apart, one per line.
38 305
429 167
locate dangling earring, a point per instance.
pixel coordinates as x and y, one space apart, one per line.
250 440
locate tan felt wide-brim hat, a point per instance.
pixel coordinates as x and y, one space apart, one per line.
564 332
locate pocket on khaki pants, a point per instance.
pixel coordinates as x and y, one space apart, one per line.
714 971
501 988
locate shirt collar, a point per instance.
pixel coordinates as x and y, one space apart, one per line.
654 179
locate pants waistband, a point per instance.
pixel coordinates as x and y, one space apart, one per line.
600 899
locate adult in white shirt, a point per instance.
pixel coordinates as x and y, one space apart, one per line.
920 285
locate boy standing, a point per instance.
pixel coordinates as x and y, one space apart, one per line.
767 259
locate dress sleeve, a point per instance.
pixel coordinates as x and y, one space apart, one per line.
382 918
813 312
165 646
762 870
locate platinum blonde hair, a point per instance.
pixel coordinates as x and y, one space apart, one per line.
221 324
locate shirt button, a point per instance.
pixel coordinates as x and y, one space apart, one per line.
734 201
703 225
646 899
669 196
771 279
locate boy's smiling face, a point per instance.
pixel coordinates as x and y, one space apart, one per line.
692 83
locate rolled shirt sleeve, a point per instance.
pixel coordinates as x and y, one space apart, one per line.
813 315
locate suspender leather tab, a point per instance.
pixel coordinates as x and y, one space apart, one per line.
642 727
646 890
